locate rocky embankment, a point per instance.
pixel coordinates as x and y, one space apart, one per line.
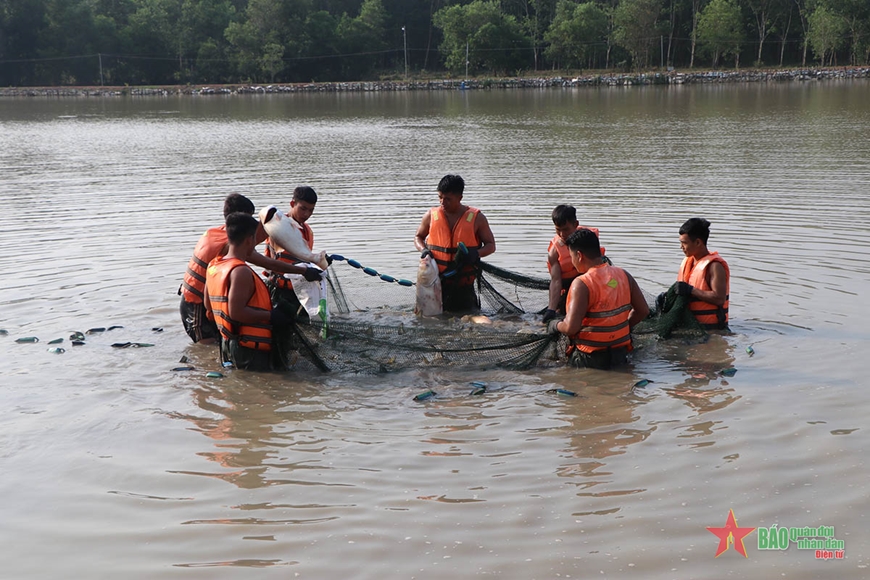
626 79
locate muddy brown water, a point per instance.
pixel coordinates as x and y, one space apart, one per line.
111 463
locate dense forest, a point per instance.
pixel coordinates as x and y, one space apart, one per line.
142 42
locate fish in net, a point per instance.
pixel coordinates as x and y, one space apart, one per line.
372 327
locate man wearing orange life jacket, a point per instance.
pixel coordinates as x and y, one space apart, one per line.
440 232
562 271
604 303
212 244
239 300
704 276
301 208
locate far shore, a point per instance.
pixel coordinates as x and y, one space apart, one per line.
603 79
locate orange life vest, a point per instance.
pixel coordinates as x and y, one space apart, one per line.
565 264
211 245
254 336
694 272
443 242
278 279
606 322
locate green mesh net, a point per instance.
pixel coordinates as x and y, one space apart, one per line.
372 326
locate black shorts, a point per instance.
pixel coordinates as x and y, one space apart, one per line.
246 358
196 325
459 299
605 359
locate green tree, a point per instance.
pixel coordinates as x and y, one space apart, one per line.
765 14
493 41
576 34
361 39
827 29
720 30
272 61
697 7
152 30
636 30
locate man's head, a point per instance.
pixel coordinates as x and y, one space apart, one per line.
584 249
693 237
302 204
242 231
450 190
565 220
236 202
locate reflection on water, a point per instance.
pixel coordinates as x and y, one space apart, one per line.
108 447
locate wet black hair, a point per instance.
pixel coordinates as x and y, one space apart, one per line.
451 184
564 214
696 228
236 202
240 226
586 242
306 194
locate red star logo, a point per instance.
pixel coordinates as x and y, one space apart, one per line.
731 534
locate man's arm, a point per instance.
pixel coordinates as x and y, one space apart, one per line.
207 304
240 292
573 321
717 279
639 307
423 231
262 261
555 279
484 234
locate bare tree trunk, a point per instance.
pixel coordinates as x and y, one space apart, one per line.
696 14
429 40
784 37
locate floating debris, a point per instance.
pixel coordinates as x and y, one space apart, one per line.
641 383
56 350
78 343
27 339
3 332
183 359
427 394
565 392
55 341
749 350
114 327
729 372
214 375
176 369
478 390
141 344
122 345
77 336
227 364
95 330
156 329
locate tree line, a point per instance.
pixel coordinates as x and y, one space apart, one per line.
149 42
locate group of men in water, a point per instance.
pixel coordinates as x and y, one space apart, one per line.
594 303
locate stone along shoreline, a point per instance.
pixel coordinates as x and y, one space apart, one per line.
599 80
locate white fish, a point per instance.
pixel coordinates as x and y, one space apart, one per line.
428 288
285 233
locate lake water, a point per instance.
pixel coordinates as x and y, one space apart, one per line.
111 464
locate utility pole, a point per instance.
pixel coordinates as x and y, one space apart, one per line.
405 38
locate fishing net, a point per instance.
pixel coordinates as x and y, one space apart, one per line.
372 326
